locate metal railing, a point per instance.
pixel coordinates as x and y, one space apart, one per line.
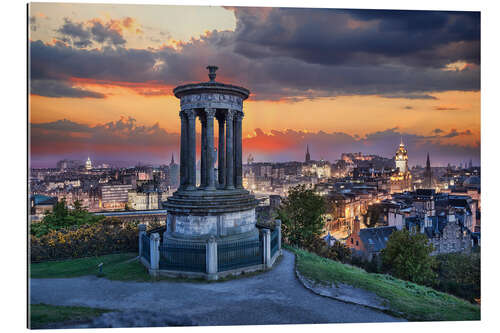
183 256
232 255
274 241
146 252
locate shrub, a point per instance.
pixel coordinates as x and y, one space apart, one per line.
104 237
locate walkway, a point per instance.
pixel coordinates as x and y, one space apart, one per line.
274 297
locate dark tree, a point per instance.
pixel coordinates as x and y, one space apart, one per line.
301 214
407 256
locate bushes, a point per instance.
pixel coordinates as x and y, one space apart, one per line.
104 237
337 252
459 274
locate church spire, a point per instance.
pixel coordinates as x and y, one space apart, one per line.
308 156
172 161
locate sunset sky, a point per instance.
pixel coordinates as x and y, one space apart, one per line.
338 80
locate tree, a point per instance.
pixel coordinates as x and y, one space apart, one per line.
61 217
407 256
301 214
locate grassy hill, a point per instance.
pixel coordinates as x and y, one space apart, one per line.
412 301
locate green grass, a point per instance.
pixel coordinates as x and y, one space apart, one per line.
116 267
406 299
42 314
121 267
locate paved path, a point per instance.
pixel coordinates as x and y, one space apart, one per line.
274 297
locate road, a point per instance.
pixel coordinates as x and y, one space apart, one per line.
273 297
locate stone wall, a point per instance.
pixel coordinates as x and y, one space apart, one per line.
226 224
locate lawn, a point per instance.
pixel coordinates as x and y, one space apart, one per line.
406 299
42 315
121 267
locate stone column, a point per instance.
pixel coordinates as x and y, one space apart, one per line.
203 153
154 247
229 151
238 162
211 258
222 151
266 239
184 143
142 231
191 151
209 152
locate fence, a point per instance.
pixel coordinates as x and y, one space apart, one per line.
145 252
183 256
232 255
179 257
274 241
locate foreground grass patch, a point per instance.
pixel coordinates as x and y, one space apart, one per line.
412 301
42 314
121 267
115 267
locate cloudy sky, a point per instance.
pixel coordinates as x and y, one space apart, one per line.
339 80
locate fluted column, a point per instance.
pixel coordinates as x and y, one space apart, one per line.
229 151
238 167
209 151
203 152
222 151
184 144
191 151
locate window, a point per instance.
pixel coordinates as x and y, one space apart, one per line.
352 241
357 243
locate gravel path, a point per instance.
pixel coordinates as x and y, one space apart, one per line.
274 297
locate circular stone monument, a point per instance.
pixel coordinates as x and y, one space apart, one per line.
218 206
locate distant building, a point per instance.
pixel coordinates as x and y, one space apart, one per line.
88 164
114 197
401 158
40 205
427 183
401 179
368 242
308 156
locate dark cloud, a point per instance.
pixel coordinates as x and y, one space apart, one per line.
408 107
289 54
33 25
454 133
437 131
55 88
445 108
84 34
103 32
409 96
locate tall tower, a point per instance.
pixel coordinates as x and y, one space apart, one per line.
428 173
401 158
172 161
308 156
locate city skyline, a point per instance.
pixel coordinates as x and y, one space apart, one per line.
339 87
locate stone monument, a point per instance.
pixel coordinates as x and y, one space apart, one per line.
219 207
